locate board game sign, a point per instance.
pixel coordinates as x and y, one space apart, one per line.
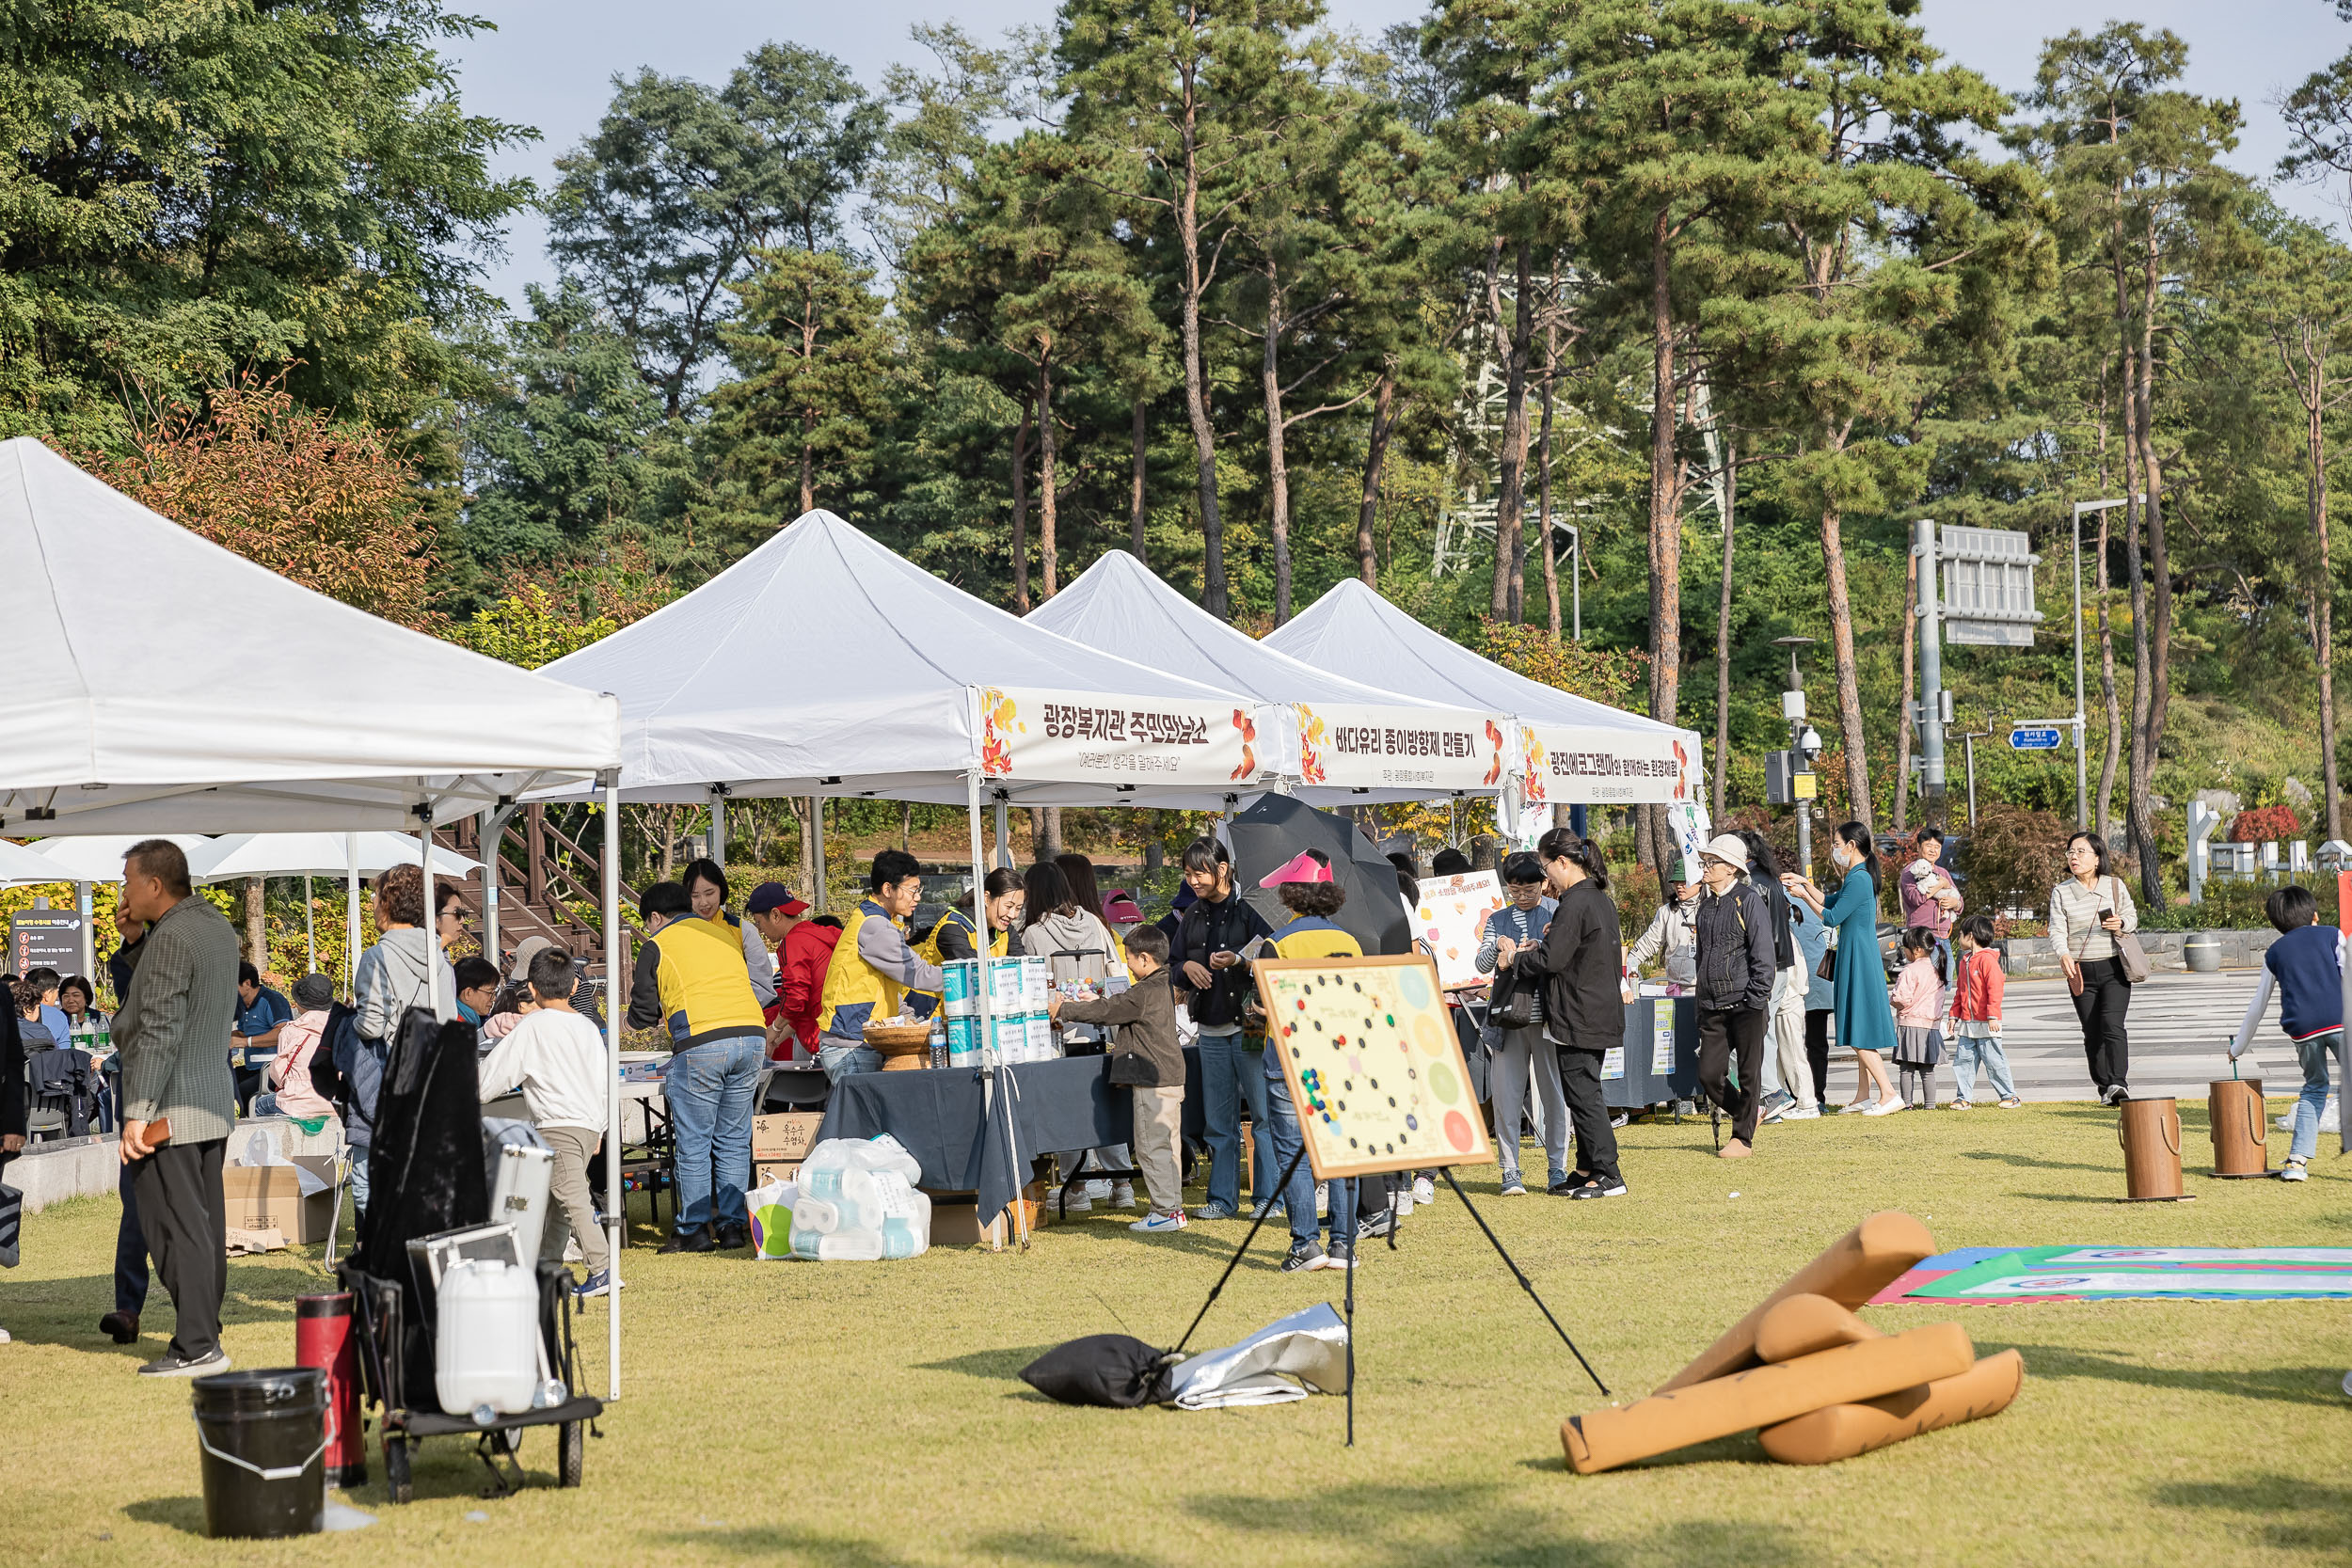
1374 1066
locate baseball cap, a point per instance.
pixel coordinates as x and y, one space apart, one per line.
770 896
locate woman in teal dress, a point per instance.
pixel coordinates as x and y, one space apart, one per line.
1866 1020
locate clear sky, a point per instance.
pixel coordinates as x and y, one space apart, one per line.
551 62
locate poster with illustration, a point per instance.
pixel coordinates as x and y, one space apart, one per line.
1372 1063
1448 919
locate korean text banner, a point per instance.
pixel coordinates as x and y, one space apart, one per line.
1588 765
1095 738
1351 747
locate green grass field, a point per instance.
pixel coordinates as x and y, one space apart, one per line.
868 1414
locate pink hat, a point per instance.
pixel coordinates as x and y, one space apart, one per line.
1120 908
1306 866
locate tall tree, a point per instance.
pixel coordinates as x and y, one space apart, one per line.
664 207
1175 97
2136 167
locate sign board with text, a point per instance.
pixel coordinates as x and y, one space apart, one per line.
1093 736
2044 738
1433 749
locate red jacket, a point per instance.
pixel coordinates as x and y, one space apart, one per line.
801 964
1978 998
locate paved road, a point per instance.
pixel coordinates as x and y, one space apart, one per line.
2181 1027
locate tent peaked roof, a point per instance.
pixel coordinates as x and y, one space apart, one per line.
156 681
1118 605
1354 629
822 662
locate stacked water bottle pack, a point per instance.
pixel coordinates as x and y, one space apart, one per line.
1019 1026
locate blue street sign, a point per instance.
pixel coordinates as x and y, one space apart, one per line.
2042 740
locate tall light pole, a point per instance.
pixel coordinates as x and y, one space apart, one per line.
2082 754
1792 708
1576 579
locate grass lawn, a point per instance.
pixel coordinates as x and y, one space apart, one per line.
868 1414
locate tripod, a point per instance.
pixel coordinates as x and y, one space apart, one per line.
1283 1186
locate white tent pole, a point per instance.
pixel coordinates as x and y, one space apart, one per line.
432 926
1004 839
351 912
719 825
816 841
310 928
89 937
492 824
616 1001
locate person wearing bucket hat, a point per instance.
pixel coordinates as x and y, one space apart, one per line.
1734 985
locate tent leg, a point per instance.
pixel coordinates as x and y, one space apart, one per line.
310 928
351 912
719 825
89 937
1004 828
432 923
817 842
616 1001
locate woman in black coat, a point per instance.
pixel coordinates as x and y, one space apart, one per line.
1581 960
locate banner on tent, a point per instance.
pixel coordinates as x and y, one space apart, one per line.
1588 765
1348 747
1093 736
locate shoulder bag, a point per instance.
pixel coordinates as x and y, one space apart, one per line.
2132 956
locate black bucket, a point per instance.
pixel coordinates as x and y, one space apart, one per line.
263 1437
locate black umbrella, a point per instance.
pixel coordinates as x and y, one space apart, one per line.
1276 827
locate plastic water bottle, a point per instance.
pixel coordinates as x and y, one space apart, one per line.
939 1041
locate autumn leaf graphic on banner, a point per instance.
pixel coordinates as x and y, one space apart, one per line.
1312 739
1538 762
997 715
1248 754
1494 738
1682 772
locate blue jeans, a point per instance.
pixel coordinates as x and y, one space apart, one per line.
1967 1051
1300 1196
840 1058
709 1088
1232 1076
2314 1055
358 1183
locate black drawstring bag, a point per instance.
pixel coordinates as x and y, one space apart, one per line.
1114 1370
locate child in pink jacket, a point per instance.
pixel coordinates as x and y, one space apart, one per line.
1918 1003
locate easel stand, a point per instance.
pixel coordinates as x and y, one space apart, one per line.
1348 1309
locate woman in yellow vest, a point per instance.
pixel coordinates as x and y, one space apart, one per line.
950 941
872 967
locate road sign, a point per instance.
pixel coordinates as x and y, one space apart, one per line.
2045 739
1989 588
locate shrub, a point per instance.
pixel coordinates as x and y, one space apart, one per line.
2264 825
2016 856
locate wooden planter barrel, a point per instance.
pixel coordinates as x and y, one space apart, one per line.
2240 1136
2150 1132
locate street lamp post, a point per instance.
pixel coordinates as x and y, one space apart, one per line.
1803 741
1576 579
2082 756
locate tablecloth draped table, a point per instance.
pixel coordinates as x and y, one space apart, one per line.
965 1144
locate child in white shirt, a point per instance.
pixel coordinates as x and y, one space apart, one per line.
559 1060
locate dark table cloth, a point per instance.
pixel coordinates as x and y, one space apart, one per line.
966 1143
1641 1086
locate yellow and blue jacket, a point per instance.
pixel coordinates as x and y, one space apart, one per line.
872 971
692 978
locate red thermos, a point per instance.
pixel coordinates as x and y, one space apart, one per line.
322 1339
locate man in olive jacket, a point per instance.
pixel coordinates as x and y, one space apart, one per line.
173 1034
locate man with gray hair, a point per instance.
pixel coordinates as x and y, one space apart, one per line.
178 1098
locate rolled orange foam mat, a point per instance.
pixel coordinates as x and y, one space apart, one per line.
1803 1324
1764 1395
1856 1267
1842 1431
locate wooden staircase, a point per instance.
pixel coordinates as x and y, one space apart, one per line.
549 885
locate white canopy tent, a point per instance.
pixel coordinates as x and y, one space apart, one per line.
821 664
1336 741
350 856
160 683
1577 751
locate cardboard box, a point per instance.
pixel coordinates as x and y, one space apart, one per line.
269 1197
784 1135
783 1170
955 1219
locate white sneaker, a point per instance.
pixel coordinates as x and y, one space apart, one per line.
1122 1194
1098 1189
1403 1204
2292 1171
1859 1108
1802 1112
1514 1188
1424 1190
1074 1203
1884 1107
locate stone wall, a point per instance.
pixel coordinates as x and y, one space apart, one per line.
62 1168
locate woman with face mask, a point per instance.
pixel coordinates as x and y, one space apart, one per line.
1865 1018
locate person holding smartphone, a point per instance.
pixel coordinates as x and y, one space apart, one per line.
2087 911
1212 983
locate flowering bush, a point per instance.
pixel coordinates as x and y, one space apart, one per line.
2264 825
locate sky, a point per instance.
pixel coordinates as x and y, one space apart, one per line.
550 63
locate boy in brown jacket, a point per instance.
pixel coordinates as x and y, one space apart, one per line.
1146 1058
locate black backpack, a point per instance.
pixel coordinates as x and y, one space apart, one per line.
326 1074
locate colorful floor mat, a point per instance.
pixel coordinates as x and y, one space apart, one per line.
1986 1276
